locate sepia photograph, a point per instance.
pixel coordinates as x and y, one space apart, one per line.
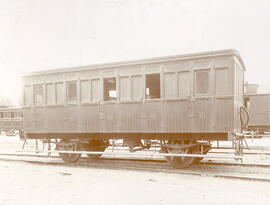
131 102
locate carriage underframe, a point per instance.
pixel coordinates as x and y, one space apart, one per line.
180 149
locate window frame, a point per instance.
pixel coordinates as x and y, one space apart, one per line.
115 99
43 94
53 94
56 92
88 97
29 86
195 81
68 101
160 86
142 97
128 97
175 92
190 87
100 90
228 88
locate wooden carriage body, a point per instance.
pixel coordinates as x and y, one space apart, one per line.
191 97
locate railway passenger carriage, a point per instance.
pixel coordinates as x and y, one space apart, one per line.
258 106
10 120
181 100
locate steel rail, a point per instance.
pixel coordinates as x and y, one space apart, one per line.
147 169
136 159
135 154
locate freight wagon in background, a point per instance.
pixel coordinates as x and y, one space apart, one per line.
10 120
182 101
258 106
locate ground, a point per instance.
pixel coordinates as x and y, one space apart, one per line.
26 184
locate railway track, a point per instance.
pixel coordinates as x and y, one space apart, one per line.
251 172
210 168
208 162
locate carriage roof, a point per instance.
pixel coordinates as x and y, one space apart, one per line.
141 62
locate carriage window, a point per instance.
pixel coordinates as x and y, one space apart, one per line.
202 82
27 96
59 93
109 92
124 88
95 90
137 87
38 94
222 81
170 85
72 92
50 94
85 91
152 86
184 84
7 115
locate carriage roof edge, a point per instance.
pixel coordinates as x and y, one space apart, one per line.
139 62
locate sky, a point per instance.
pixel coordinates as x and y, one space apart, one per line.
42 34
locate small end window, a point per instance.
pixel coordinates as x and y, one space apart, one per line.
202 82
109 92
152 86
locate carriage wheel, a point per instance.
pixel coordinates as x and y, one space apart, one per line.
180 162
69 146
